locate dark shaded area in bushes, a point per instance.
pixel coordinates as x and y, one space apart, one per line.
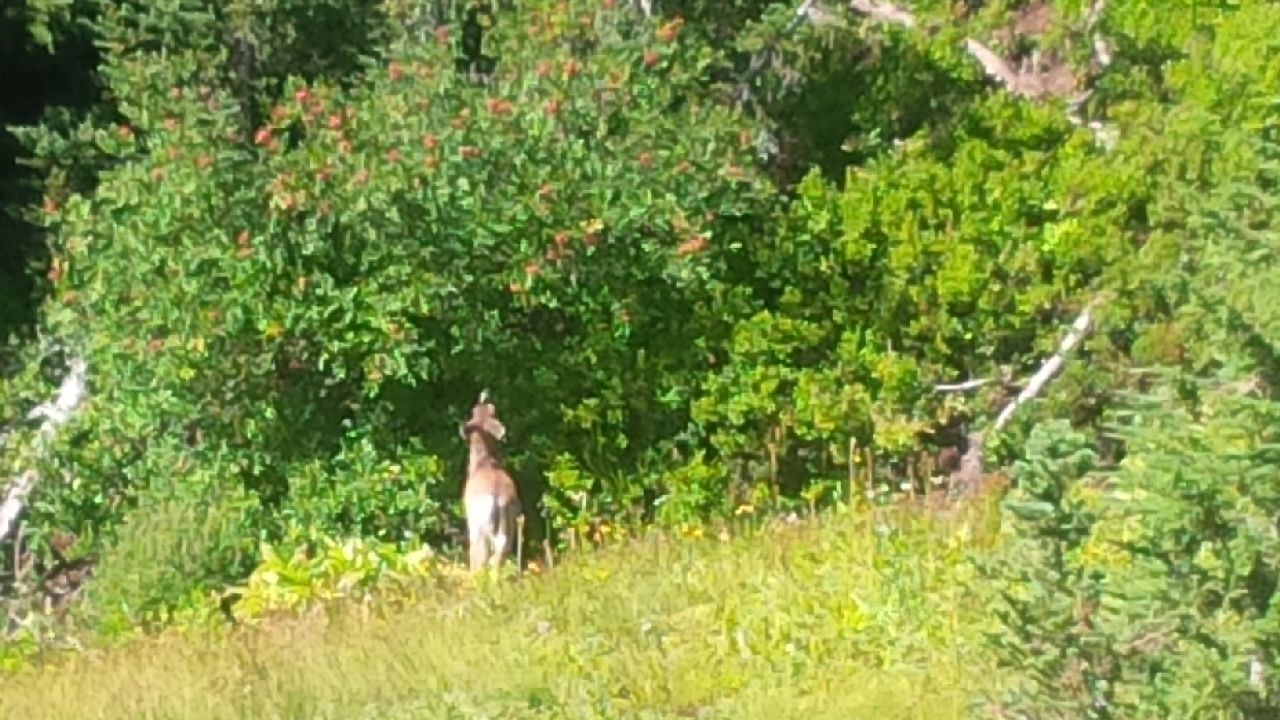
35 79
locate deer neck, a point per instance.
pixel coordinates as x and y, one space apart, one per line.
481 455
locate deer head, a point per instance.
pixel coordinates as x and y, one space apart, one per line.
483 419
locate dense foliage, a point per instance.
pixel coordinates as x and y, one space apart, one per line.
709 261
321 300
1164 565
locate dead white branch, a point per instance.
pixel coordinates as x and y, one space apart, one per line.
995 66
1101 50
1035 82
884 12
816 14
1079 329
54 414
965 386
968 478
1094 14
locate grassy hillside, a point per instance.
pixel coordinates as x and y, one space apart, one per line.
849 616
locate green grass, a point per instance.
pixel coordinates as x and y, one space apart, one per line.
829 618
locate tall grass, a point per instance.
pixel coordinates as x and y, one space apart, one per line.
850 616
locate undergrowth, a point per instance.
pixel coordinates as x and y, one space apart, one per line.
848 616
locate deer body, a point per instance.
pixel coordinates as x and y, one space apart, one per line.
490 498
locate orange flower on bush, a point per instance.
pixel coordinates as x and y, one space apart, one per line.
668 31
692 244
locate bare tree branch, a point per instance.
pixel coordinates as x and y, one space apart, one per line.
994 65
816 14
1101 50
1079 329
54 413
1033 83
884 12
969 477
961 386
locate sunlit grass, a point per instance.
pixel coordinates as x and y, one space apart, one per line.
846 617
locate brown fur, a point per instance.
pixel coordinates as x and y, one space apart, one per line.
490 496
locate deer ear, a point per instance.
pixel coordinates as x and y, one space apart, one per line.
496 429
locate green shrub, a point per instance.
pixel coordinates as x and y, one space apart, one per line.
1149 591
310 306
191 533
327 570
1147 587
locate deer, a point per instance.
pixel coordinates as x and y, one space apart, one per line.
489 496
